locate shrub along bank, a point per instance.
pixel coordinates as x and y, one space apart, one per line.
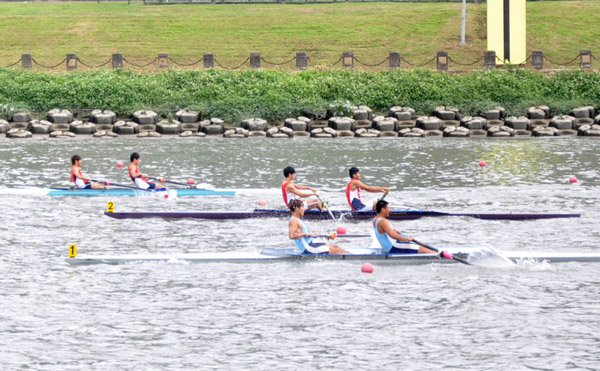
275 95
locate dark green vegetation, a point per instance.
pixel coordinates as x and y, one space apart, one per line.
275 95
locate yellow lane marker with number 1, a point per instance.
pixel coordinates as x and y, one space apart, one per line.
72 250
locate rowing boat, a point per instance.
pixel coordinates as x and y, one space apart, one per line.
358 254
321 215
180 192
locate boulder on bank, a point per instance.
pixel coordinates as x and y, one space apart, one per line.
362 113
144 117
280 132
496 113
39 126
541 131
214 126
236 133
297 124
18 134
105 134
501 131
185 116
518 123
80 127
254 124
563 122
456 131
4 126
103 117
583 112
341 123
590 130
446 113
367 133
473 123
149 134
402 113
429 123
58 116
382 123
323 133
168 128
21 117
538 113
363 124
125 127
59 134
411 133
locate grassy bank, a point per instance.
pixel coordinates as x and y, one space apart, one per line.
275 95
50 30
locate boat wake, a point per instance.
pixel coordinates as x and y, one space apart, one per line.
487 256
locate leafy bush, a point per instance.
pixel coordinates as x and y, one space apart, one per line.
275 95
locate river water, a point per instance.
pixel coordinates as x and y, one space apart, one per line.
314 315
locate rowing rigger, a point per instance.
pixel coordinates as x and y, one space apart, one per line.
358 254
399 214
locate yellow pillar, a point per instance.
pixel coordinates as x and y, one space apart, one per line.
506 30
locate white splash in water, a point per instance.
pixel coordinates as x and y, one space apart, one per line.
490 257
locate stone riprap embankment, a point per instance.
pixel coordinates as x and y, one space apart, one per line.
397 122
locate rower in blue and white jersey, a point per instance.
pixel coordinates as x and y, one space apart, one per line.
390 239
303 239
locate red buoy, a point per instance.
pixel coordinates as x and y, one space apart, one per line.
367 268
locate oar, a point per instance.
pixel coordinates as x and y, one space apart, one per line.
190 182
121 185
385 194
327 208
445 254
337 235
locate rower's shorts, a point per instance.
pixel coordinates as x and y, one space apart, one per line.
142 184
359 206
404 247
317 248
82 185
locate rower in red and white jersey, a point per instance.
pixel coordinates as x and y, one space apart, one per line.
353 192
292 191
140 179
77 177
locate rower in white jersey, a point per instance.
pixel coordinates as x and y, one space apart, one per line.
353 192
141 180
292 191
303 239
390 239
77 177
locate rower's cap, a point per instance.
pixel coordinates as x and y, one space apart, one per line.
288 170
